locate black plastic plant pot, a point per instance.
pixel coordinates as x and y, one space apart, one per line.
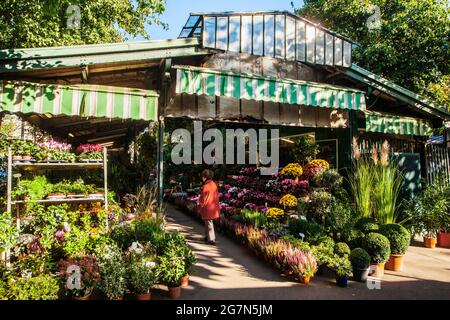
360 275
342 282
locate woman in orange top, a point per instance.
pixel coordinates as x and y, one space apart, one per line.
209 205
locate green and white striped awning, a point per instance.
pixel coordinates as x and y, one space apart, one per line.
390 124
202 81
79 100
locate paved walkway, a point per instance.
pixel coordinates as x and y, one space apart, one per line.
232 271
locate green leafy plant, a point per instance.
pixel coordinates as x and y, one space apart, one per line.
35 189
312 231
142 276
429 212
341 249
377 246
8 231
329 179
254 218
297 243
399 238
322 254
341 266
359 258
41 287
171 268
113 273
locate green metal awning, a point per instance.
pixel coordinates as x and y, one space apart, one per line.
78 100
203 81
390 124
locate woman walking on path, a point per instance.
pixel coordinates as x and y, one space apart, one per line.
209 205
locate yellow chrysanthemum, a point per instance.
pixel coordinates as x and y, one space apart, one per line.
288 201
293 170
273 213
320 163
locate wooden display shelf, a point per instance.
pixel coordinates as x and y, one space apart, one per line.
63 200
57 166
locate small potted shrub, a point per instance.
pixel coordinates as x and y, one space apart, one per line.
41 287
378 247
171 269
113 275
399 239
343 269
141 278
190 261
90 276
360 260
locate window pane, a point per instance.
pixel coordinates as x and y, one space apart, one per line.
280 48
338 51
301 40
258 41
329 49
210 32
222 33
320 46
185 33
235 25
310 45
347 54
247 34
192 21
269 37
290 38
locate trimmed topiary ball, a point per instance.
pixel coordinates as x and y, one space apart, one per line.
341 249
366 225
377 246
359 258
399 238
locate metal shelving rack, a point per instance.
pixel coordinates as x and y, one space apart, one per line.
33 167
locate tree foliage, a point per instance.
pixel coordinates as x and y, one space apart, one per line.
410 47
46 23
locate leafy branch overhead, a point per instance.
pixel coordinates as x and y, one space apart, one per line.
44 23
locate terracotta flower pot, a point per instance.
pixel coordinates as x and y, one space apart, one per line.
27 158
305 280
395 262
120 298
429 242
443 239
174 292
185 281
87 296
16 158
145 296
378 270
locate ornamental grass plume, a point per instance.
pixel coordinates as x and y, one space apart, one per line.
361 184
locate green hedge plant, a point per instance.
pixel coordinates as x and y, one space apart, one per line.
359 258
399 238
341 249
377 246
366 225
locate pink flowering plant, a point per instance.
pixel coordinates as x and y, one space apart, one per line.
89 274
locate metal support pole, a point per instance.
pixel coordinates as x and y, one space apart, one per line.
105 178
160 168
164 93
9 182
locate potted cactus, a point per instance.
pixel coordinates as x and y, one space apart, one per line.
360 260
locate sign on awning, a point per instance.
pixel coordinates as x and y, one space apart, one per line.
391 124
78 100
203 81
